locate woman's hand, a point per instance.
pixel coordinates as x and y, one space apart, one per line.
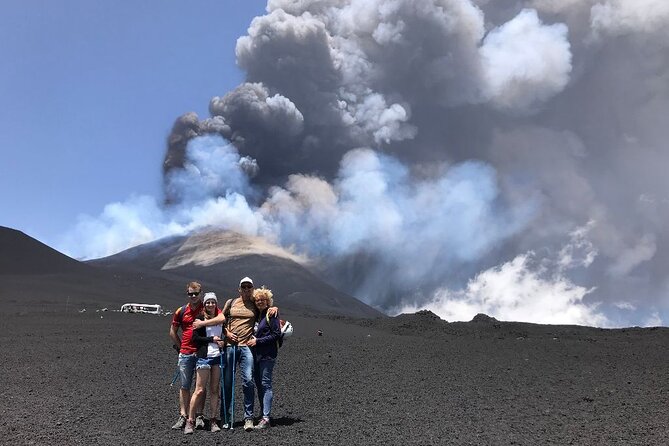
272 311
217 339
251 342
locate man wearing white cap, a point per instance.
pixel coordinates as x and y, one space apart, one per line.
241 314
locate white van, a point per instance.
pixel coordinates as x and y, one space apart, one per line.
142 308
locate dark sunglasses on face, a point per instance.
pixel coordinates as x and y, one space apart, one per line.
246 287
193 294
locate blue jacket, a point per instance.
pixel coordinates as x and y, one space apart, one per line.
267 335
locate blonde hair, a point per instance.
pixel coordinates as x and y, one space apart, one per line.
263 292
195 286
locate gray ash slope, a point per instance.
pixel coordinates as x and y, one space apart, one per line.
220 258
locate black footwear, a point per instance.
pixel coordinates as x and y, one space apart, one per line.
199 422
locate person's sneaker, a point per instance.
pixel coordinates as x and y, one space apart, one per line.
190 427
248 424
264 423
225 426
214 425
181 422
199 422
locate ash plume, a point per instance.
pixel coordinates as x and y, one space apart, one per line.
465 156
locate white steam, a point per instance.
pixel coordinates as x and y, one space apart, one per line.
525 62
525 289
514 291
625 16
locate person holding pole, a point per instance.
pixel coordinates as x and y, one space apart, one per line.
207 369
240 315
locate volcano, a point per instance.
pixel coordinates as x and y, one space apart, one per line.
220 258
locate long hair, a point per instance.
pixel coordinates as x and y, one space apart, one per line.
207 298
207 315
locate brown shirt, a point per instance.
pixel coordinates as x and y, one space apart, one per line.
242 319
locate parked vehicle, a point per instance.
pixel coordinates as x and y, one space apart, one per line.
142 308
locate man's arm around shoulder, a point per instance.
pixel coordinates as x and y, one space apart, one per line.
218 320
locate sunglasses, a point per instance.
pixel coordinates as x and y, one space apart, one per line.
246 287
193 294
210 302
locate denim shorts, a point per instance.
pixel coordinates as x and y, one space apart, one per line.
206 363
186 369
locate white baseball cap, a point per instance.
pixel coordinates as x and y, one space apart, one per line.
244 280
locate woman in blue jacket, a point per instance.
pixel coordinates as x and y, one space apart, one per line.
265 343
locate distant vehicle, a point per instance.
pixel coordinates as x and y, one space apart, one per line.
142 308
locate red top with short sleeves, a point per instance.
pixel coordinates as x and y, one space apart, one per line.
185 322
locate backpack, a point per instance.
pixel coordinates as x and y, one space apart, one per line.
286 330
180 313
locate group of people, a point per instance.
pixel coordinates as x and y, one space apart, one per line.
242 335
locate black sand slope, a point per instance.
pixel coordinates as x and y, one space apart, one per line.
103 379
21 254
35 277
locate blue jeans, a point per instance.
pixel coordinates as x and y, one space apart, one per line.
186 365
244 359
207 363
263 376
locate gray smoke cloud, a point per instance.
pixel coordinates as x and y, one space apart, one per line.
460 155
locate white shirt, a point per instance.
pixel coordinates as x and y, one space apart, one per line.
213 351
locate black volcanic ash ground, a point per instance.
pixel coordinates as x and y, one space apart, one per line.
103 378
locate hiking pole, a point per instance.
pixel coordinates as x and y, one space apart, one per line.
224 410
232 401
176 376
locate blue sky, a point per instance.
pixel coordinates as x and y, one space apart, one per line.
90 91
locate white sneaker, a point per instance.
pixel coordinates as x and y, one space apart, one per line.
264 423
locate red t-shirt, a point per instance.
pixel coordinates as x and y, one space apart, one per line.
188 347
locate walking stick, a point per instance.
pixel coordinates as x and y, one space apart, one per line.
176 376
232 401
224 411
